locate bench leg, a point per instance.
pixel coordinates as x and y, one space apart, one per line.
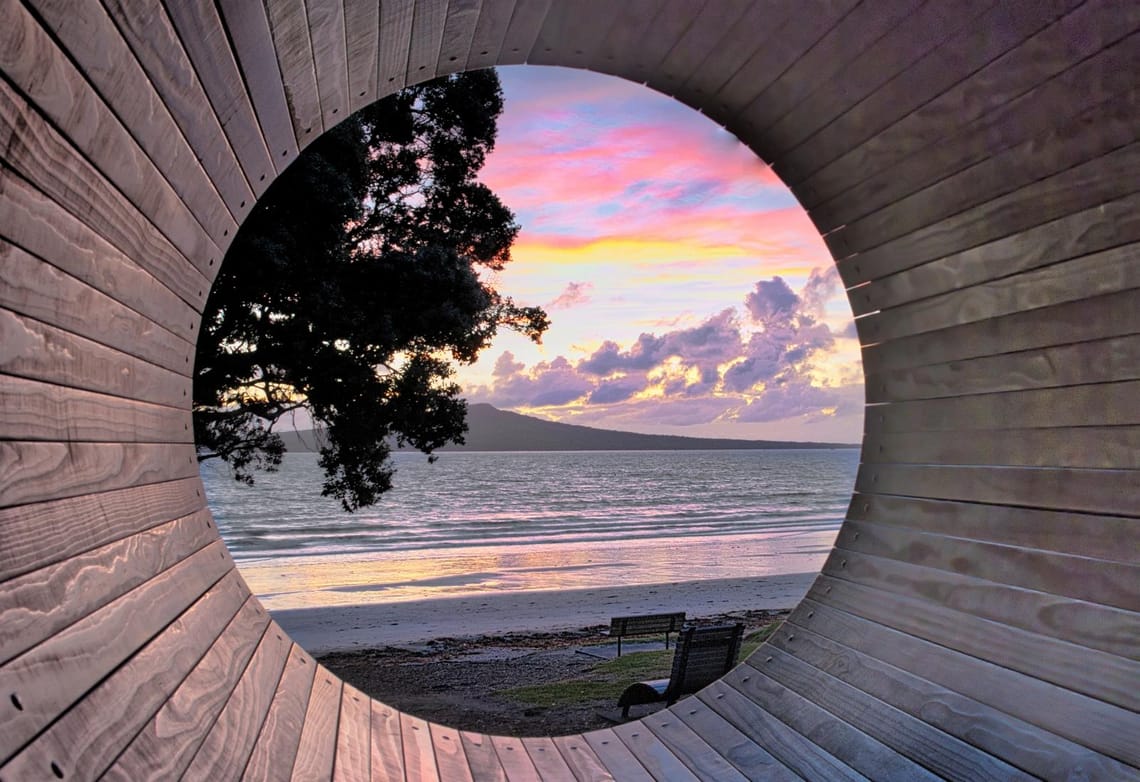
666 639
619 646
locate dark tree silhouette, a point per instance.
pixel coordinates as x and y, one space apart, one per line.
355 287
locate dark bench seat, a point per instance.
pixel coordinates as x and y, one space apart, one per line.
646 624
703 655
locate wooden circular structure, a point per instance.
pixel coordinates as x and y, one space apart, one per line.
974 168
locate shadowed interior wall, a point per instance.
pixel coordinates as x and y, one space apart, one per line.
974 169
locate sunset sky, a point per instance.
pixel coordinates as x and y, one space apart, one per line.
688 292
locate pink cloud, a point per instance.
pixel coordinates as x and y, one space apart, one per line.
574 293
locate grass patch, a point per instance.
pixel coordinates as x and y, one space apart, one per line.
606 680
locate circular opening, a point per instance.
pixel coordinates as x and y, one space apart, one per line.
690 297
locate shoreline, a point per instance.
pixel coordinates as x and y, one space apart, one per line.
321 630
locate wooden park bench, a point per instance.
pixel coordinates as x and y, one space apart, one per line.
646 624
703 655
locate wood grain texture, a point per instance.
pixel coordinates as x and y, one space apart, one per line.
490 29
1056 665
276 748
37 535
227 747
37 471
482 758
166 745
571 33
652 753
98 224
705 33
624 50
201 31
613 752
428 20
45 411
330 59
395 41
316 751
1078 534
36 605
289 24
583 761
362 46
353 739
522 32
89 736
41 291
548 761
387 764
450 755
514 759
793 749
59 671
419 755
247 25
458 32
1084 721
729 754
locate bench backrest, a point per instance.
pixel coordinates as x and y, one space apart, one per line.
703 655
646 624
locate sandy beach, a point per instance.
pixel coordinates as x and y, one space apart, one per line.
408 623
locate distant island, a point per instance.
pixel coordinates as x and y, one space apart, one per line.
491 429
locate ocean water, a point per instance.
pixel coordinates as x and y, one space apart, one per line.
475 523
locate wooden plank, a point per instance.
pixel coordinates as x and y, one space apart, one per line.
290 29
362 43
427 38
90 735
248 28
1102 179
1064 146
836 48
583 761
419 755
998 105
387 744
956 54
207 44
840 739
353 739
1063 666
395 38
481 757
167 743
1109 492
330 59
36 605
652 753
1083 233
1091 447
548 761
41 534
1100 273
34 350
1077 534
621 51
154 42
316 752
450 757
793 749
899 50
514 759
572 33
95 207
522 32
41 291
1098 361
36 471
616 757
90 39
1015 741
707 30
1017 596
276 748
458 32
1107 316
53 675
1084 721
73 248
226 749
490 29
711 747
44 411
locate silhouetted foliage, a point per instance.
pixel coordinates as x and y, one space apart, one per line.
353 289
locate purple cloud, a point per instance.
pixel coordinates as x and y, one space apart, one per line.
573 294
